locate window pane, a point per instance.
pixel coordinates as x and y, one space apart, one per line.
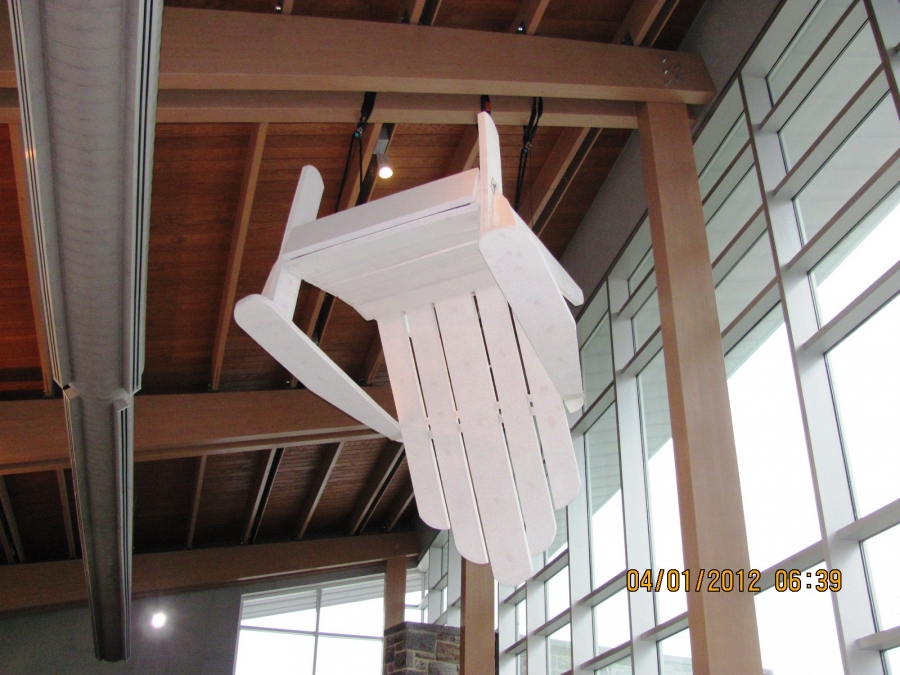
605 498
339 656
559 651
805 42
867 252
675 654
520 620
640 272
665 523
776 483
882 563
291 610
797 634
557 590
522 663
413 615
353 618
646 321
596 362
737 137
261 653
867 148
745 281
892 659
734 213
622 667
865 370
561 541
846 75
611 623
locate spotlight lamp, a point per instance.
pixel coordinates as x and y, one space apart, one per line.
384 167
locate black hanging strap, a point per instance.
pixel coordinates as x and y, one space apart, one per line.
365 112
529 132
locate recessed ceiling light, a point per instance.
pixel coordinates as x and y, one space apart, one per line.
158 620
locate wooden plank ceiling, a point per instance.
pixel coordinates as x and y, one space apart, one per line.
213 190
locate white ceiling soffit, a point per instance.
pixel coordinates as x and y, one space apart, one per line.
87 75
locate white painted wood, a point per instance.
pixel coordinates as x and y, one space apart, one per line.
466 283
304 360
282 287
423 468
515 260
556 441
419 202
515 410
451 455
479 419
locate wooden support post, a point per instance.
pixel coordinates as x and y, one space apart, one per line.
724 637
329 460
34 284
238 239
476 655
394 592
66 510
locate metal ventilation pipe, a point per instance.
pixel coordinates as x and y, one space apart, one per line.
87 75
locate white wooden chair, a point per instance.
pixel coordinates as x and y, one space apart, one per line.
479 389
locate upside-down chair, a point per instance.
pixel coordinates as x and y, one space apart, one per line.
478 341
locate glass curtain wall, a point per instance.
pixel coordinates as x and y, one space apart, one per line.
799 171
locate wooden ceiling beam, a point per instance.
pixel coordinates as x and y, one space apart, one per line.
66 511
31 260
270 52
33 433
374 486
195 502
54 584
255 107
238 240
399 507
6 506
323 473
374 361
262 488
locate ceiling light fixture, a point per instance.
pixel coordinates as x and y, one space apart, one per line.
381 146
158 620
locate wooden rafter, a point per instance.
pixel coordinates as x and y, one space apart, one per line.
529 16
195 502
640 18
398 508
539 221
375 486
536 196
374 361
262 488
7 546
37 306
326 466
6 505
66 510
238 240
33 433
51 584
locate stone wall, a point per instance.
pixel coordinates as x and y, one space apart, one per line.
421 649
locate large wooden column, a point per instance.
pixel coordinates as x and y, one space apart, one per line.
724 637
476 656
394 592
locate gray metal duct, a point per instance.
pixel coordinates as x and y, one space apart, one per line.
87 75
